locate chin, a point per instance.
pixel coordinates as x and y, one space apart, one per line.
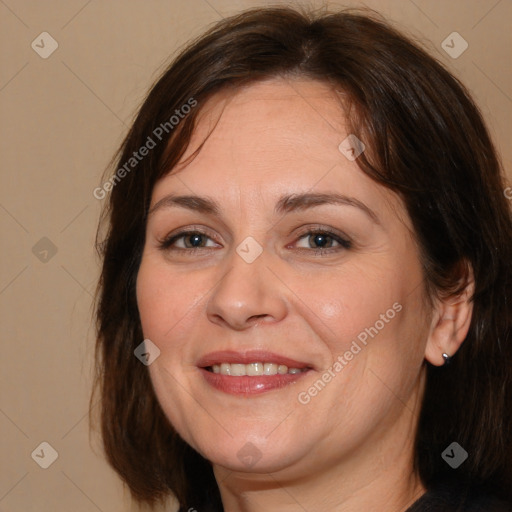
242 455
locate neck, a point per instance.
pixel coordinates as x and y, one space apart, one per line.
387 492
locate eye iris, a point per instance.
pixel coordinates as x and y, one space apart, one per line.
196 239
320 239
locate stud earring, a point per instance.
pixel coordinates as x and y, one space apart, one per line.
447 359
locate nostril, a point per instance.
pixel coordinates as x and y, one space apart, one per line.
256 317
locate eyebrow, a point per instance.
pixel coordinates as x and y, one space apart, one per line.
285 204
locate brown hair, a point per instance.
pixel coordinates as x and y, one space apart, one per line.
427 142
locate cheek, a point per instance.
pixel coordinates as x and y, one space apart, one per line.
153 299
373 317
164 300
345 303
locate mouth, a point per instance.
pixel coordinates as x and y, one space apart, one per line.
253 369
250 373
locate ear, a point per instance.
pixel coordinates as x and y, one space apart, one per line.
450 323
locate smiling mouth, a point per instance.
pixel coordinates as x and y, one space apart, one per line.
255 369
250 373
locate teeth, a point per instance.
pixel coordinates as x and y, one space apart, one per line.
270 369
282 368
238 370
225 369
253 369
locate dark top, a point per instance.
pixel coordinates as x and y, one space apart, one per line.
444 497
453 497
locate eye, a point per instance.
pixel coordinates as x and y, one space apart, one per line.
318 241
324 238
190 240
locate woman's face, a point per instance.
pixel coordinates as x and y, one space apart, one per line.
301 262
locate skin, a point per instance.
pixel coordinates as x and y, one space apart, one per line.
350 448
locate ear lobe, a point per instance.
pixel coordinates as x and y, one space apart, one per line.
450 324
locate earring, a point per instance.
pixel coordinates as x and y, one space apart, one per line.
447 359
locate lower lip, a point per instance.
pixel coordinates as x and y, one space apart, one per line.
246 385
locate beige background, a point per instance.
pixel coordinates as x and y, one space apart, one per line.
61 120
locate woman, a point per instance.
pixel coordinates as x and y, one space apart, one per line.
304 302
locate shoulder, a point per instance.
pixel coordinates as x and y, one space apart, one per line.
458 497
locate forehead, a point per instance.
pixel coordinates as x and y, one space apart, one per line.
270 122
267 139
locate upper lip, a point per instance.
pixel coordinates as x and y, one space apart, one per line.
247 357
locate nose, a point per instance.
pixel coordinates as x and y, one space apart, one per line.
247 294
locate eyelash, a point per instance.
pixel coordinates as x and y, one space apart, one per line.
166 244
